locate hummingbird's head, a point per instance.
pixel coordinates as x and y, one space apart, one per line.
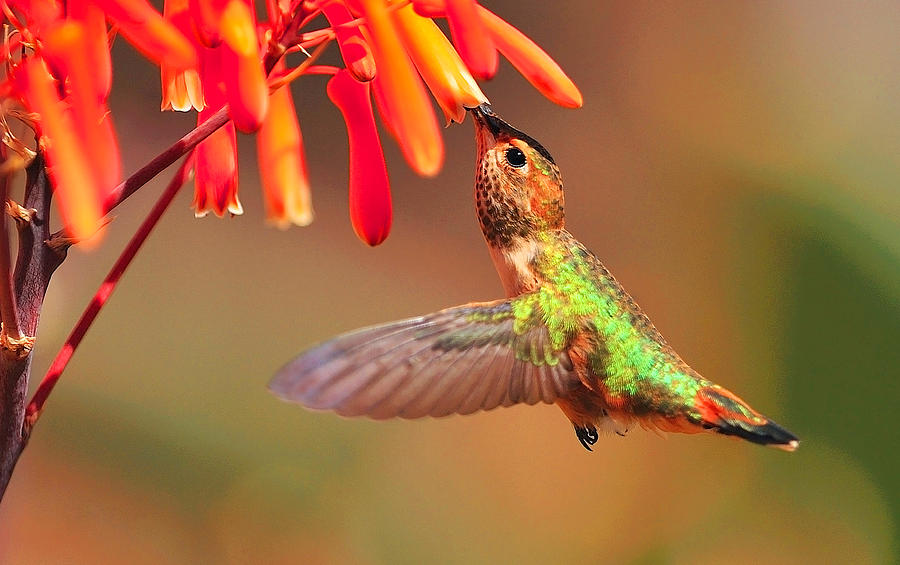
518 188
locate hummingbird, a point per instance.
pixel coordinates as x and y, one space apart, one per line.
567 333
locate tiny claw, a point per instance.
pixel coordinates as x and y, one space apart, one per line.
587 436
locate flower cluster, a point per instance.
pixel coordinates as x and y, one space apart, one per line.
215 54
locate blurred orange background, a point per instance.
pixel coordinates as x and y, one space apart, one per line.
736 165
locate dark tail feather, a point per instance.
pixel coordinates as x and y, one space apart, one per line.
725 413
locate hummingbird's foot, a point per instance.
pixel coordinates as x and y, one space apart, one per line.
587 436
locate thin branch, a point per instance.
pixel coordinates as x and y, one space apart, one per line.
8 313
159 163
35 265
36 406
287 77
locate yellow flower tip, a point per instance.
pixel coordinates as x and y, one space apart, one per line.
181 88
282 162
438 63
239 28
182 91
234 207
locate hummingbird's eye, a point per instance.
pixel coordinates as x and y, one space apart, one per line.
515 157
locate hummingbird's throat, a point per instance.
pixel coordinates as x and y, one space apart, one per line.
502 213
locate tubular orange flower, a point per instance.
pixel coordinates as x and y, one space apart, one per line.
471 39
438 63
245 81
206 16
181 88
354 49
69 47
94 23
215 173
74 183
370 193
215 159
150 33
532 61
282 163
404 103
39 14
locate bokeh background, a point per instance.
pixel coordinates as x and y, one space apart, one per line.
736 165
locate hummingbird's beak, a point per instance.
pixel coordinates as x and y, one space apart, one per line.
485 119
490 128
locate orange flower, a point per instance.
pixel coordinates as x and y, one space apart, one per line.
529 59
438 63
38 14
94 22
181 88
215 159
75 184
402 98
354 49
69 47
212 53
470 36
245 81
206 16
282 163
370 192
215 173
150 33
532 61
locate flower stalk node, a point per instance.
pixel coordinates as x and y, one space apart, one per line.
17 347
61 241
19 213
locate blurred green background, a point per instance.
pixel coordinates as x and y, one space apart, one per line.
736 165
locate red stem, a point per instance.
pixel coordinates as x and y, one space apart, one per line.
33 411
181 147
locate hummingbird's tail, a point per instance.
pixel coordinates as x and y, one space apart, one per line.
723 412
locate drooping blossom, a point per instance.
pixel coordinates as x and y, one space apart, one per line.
282 163
370 193
215 54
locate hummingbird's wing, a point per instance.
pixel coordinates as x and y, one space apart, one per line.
459 360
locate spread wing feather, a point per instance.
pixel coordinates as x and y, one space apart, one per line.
459 360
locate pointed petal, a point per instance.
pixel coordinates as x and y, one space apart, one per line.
444 72
74 183
370 193
150 33
471 38
245 81
354 49
405 104
532 61
282 163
